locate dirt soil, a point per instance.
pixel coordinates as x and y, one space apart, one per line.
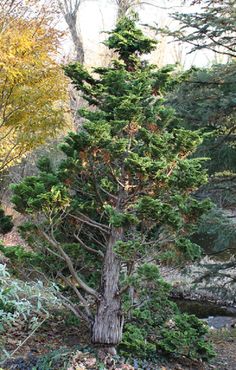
57 333
225 347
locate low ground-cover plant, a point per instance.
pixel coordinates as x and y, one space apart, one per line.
21 299
156 325
185 335
6 223
23 302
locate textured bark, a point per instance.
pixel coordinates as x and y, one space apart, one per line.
71 20
70 11
108 323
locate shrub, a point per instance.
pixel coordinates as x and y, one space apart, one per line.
185 335
27 302
156 324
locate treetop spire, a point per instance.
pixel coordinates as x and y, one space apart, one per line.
128 40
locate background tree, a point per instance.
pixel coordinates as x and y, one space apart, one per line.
206 99
123 191
123 6
32 87
212 27
70 9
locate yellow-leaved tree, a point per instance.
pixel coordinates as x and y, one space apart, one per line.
33 89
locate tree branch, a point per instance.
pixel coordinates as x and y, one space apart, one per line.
72 307
94 251
69 263
79 295
85 219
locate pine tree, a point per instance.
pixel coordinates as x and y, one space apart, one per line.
212 26
206 100
123 191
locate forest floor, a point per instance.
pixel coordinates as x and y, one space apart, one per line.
58 333
225 346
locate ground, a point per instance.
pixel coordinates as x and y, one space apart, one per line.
60 337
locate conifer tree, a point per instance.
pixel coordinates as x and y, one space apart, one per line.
122 195
206 100
211 26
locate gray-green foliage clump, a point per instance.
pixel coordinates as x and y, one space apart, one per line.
23 302
122 194
210 26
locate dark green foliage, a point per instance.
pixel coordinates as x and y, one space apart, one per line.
41 261
218 227
19 254
21 260
71 320
6 223
129 42
129 138
185 335
38 191
206 100
150 328
206 97
44 164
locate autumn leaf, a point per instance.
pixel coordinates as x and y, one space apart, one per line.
33 88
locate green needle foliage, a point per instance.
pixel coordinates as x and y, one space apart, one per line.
6 223
210 26
123 193
206 100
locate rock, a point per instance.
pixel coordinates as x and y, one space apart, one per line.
219 322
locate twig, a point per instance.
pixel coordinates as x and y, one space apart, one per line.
26 339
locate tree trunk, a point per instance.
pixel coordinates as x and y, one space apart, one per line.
108 323
71 20
75 100
123 7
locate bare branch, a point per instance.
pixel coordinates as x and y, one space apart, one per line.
85 219
94 251
69 263
79 295
96 241
72 307
109 194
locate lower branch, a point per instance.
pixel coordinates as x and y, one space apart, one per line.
79 295
69 263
